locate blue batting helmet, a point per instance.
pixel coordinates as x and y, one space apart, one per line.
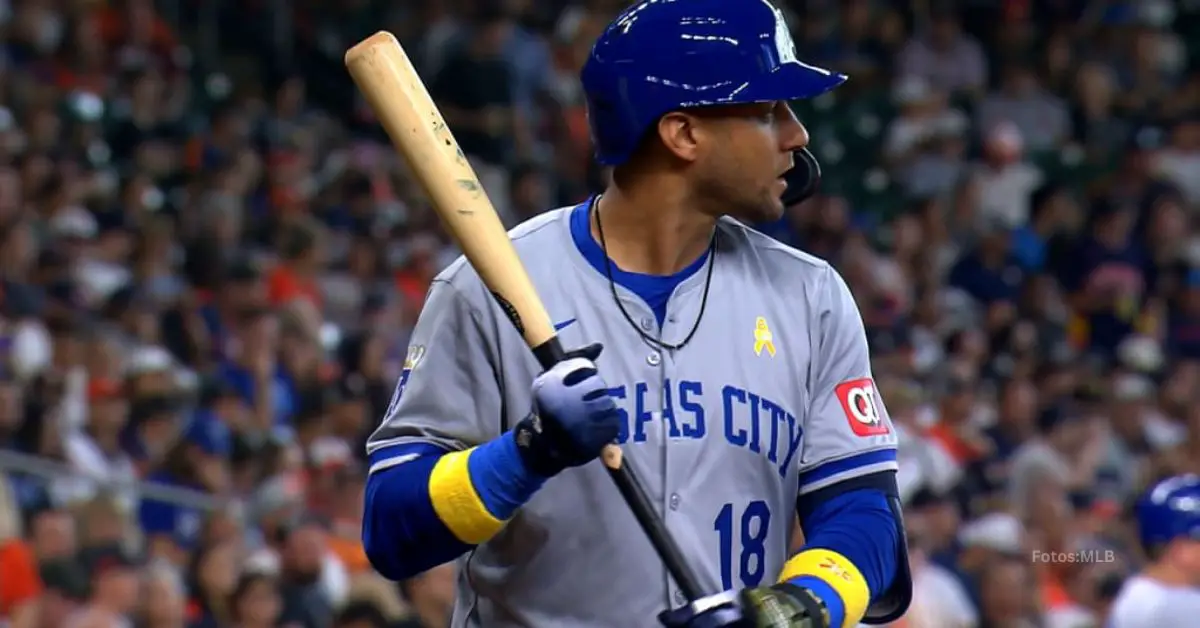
1170 510
662 55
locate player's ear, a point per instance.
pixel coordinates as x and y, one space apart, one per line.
681 134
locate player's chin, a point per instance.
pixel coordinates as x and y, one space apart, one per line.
769 209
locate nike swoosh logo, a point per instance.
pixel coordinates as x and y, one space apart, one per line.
563 325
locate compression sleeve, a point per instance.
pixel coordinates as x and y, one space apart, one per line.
435 505
852 542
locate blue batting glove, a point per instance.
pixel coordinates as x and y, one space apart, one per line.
574 416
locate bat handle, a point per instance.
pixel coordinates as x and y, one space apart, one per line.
632 490
550 353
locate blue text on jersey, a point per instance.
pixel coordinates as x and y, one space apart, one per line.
746 419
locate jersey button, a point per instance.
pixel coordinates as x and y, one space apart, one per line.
653 359
680 598
675 501
647 324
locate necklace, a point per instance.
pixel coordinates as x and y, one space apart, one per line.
612 285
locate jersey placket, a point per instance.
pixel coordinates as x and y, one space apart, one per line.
672 486
647 363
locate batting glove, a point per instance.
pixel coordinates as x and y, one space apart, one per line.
783 605
574 416
780 606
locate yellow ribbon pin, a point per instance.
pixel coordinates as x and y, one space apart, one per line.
763 338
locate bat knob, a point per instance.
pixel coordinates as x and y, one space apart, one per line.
612 457
715 611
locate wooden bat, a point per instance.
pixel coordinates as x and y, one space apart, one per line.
389 82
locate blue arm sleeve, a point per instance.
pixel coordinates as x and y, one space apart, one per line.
402 532
402 535
859 525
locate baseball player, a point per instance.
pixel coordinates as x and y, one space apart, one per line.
734 372
1165 594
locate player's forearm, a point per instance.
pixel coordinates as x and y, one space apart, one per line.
850 555
402 534
432 509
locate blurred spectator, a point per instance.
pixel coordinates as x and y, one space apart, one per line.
255 602
1180 160
212 578
948 58
1006 586
295 276
96 451
309 584
197 462
254 371
22 584
114 587
164 598
1037 116
1002 179
941 599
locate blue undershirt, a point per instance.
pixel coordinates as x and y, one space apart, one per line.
655 290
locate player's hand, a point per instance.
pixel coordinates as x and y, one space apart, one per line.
783 605
779 606
574 416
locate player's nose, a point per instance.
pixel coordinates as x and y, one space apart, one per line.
792 134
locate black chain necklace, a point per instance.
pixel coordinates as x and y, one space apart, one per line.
612 285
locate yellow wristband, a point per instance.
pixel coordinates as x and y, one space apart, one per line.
839 573
457 503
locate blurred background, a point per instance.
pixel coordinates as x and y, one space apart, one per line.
210 261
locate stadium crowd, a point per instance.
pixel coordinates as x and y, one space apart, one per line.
210 260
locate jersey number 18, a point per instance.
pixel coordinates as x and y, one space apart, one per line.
750 527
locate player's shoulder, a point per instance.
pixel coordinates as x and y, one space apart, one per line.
783 260
539 235
1144 601
537 231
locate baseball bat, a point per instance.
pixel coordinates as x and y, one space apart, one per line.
390 84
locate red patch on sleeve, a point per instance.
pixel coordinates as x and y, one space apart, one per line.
858 400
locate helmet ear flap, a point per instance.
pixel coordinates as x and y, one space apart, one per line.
804 179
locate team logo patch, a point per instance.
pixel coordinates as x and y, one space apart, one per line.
784 45
763 338
857 397
415 353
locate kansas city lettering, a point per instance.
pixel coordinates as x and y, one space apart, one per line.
691 411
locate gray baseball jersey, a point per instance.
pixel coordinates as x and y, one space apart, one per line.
1145 602
771 398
